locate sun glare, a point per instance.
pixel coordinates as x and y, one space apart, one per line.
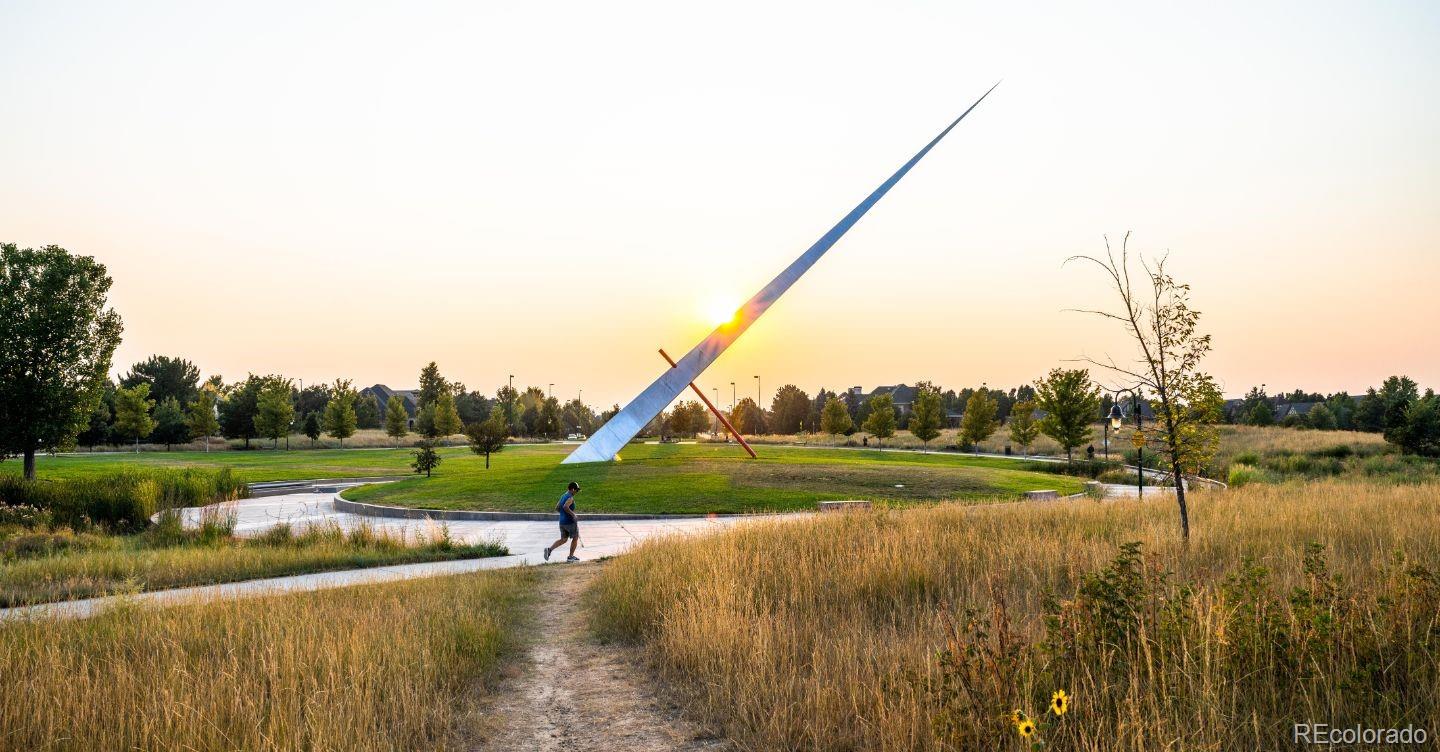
720 310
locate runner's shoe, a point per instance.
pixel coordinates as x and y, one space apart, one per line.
547 553
573 559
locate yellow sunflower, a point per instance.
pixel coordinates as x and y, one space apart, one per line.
1026 728
1059 702
1016 716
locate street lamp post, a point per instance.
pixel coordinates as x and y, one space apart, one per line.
551 392
757 392
733 402
1117 418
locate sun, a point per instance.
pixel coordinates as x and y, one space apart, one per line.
720 310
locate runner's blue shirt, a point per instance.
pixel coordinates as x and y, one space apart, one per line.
566 516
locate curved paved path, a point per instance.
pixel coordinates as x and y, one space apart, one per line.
254 516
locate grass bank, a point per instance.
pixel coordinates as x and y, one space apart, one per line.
923 629
382 667
703 478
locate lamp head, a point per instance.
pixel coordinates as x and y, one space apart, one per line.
1116 417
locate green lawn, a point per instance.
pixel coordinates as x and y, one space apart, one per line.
672 478
710 478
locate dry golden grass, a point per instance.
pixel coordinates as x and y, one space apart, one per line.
826 635
382 667
1261 440
1043 446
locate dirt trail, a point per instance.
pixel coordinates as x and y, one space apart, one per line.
572 693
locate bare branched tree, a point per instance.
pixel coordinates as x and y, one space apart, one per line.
1156 314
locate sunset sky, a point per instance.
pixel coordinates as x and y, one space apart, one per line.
554 190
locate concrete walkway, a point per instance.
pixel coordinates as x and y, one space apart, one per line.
526 540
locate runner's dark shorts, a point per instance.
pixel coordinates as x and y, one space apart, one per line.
569 530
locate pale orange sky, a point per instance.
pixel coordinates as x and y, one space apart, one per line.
555 190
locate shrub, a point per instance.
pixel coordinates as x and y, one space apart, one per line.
1241 474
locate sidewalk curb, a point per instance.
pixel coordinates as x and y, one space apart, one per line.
463 515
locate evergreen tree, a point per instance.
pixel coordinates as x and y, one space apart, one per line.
1369 414
979 420
426 459
926 415
1320 418
201 417
432 385
1071 404
132 413
397 421
488 436
167 377
170 427
835 419
340 419
56 341
881 421
312 427
273 410
1023 427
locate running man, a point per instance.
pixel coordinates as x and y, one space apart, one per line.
569 526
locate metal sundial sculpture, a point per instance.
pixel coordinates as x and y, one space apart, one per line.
618 431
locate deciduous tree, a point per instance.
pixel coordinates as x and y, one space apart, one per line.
367 411
446 420
979 420
926 414
56 340
1023 426
312 428
273 410
1169 349
789 409
1071 404
881 421
340 419
132 413
201 416
747 418
835 419
488 437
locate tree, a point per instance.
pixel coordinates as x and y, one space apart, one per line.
312 427
881 422
789 409
925 414
446 419
273 410
979 420
1169 349
576 417
688 418
132 413
397 421
426 459
98 429
367 411
170 427
1369 414
340 417
472 406
1321 418
1023 426
1262 413
432 385
56 341
509 401
311 399
237 410
168 377
1396 395
835 418
201 417
488 437
1420 431
1071 404
747 417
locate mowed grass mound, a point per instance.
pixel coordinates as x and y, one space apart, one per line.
701 478
381 667
923 629
251 467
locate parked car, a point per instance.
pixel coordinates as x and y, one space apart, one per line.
575 437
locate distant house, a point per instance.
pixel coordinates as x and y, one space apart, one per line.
904 396
1297 409
410 398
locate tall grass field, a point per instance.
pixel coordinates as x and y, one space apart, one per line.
951 628
382 667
